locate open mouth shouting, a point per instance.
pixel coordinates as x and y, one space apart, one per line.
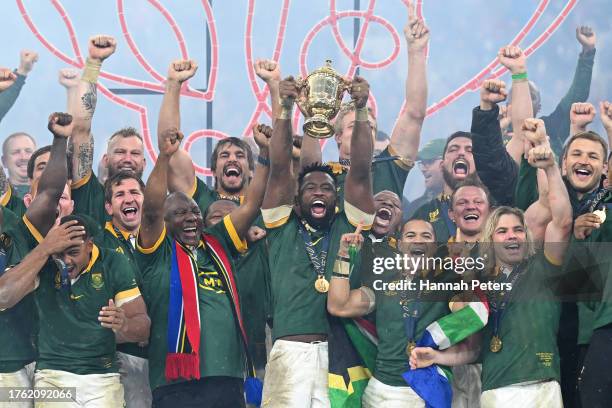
232 173
318 209
130 213
583 173
383 217
190 234
513 248
460 167
471 218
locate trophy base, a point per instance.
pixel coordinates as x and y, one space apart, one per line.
318 127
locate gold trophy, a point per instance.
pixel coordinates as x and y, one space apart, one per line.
322 93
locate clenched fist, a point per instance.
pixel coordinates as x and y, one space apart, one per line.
535 131
182 70
26 61
7 78
541 157
288 92
69 77
267 70
60 124
605 114
101 47
513 58
360 91
586 37
492 91
169 141
581 114
262 135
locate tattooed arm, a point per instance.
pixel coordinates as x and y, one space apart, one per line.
81 145
3 182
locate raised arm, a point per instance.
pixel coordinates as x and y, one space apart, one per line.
406 135
69 79
557 123
279 190
11 84
514 59
269 72
538 215
42 212
559 228
152 223
341 300
19 280
181 172
100 47
358 183
495 167
605 115
581 115
243 217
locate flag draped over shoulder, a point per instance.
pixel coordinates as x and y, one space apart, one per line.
352 353
432 383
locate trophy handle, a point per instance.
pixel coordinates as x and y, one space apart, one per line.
302 99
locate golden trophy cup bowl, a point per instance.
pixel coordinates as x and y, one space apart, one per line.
321 96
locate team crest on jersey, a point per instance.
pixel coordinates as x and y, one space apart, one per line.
96 280
120 250
434 215
58 280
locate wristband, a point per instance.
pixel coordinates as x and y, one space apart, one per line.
285 113
264 161
339 276
342 268
522 77
361 114
91 71
343 258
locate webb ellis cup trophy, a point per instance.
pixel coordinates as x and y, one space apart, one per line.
321 97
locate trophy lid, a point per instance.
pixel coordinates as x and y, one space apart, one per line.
326 69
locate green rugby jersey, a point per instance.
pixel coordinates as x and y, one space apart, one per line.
221 350
253 276
388 175
204 196
528 330
296 305
88 196
70 336
435 212
18 333
392 360
14 203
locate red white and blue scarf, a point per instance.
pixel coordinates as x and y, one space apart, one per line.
184 323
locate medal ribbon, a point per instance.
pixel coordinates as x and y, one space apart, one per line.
497 309
411 313
450 225
318 260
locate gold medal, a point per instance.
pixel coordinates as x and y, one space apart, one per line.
321 284
411 346
496 344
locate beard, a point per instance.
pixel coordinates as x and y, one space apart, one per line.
233 190
449 179
112 171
